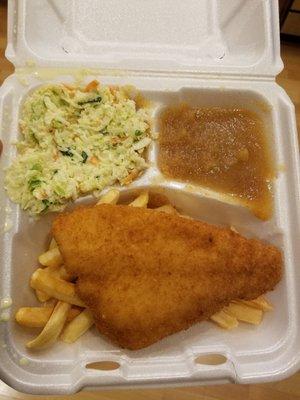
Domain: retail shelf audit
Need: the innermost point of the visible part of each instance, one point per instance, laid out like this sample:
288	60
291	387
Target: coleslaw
75	141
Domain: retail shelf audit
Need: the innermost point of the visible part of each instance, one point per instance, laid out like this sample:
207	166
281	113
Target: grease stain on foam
8	223
5	302
4	316
23	361
45	74
30	63
7	226
8	209
281	168
23	80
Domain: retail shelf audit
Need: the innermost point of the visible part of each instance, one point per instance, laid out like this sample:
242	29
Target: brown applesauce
226	150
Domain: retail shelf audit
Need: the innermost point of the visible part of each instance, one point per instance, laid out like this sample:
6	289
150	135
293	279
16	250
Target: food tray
222	61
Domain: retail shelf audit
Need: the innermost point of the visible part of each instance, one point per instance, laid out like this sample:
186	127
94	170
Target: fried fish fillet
146	274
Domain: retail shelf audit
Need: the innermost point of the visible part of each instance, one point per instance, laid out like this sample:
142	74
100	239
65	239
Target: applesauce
222	149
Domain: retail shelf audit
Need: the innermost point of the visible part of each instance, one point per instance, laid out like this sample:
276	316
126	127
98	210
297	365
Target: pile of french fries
64	315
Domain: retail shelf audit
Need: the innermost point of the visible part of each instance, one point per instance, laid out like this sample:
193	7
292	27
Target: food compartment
223	146
33	238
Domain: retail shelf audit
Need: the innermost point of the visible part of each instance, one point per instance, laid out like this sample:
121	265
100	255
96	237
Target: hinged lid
239	37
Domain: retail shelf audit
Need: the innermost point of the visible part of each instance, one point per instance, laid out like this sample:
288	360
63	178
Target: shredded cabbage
76	141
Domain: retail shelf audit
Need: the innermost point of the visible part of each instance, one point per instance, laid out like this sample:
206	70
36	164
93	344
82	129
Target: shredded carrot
113	89
94	160
91	86
130	177
55	155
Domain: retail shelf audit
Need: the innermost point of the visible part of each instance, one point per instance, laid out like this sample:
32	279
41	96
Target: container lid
239	37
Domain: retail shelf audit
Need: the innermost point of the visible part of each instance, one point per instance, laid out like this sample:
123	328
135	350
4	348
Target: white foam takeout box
205	53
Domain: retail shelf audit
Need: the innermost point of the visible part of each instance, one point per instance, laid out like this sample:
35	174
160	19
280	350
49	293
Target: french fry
111	197
55	287
141	200
37	317
260	303
224	320
51	258
167	208
41	296
55	272
73	313
77	327
52	244
52	328
63	274
50	303
33	317
244	313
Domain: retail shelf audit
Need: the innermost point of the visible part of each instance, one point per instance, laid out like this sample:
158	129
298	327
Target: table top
289	389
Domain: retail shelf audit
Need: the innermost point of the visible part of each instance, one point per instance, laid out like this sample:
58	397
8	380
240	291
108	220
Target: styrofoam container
203	52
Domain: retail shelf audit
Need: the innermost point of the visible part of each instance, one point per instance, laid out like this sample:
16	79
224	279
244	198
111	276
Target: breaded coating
145	274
